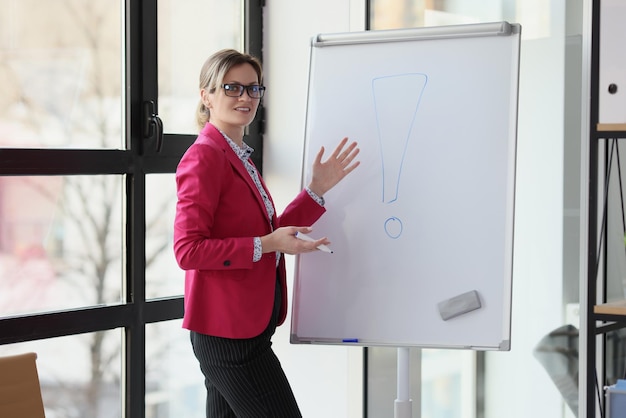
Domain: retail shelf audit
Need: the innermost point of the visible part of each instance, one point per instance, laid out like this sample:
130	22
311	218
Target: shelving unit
603	316
607	138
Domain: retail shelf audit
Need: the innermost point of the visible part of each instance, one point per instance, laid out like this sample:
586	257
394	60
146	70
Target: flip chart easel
403	406
422	230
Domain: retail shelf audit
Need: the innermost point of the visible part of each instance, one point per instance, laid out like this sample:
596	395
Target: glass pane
445	378
394	14
615	221
163	276
174	383
448	388
79	375
382	376
190	31
615	285
64	248
60	74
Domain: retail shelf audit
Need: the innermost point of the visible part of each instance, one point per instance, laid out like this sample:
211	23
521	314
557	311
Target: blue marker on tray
350	340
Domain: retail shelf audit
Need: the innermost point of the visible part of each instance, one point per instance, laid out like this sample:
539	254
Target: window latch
152	124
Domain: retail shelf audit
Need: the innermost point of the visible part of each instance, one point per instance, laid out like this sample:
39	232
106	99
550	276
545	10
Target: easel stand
403	404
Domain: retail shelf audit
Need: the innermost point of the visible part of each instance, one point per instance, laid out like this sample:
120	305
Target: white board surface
428	215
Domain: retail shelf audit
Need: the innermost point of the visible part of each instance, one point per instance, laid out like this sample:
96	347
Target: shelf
611	308
615	127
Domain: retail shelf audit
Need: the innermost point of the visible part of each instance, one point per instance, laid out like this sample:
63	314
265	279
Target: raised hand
326	174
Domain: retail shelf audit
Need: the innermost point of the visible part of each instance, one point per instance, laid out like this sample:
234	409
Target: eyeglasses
236	90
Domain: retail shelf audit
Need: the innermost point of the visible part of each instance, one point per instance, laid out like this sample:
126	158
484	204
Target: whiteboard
428	215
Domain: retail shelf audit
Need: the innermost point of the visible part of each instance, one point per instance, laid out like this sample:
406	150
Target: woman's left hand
325	175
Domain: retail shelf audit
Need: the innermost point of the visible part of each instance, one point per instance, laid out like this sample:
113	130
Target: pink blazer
218	212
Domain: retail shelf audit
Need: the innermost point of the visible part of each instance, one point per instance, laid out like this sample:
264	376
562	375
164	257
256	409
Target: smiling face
232	114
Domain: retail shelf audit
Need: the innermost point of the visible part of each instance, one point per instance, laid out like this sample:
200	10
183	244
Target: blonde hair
213	72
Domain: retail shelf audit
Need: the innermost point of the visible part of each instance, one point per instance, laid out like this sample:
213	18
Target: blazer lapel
216	137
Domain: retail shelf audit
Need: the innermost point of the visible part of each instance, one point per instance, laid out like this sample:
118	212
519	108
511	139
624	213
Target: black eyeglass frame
236	90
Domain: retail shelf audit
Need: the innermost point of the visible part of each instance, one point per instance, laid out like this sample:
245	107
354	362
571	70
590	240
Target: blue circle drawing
393	227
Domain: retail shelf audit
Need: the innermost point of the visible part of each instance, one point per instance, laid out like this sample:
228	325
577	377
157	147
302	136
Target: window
88	278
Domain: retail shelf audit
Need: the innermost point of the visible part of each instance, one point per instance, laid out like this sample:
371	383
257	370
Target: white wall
537	278
538	272
327	381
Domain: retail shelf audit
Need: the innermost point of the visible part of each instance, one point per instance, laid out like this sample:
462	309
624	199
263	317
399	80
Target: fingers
339	153
348	150
349	169
350	154
327	173
339	147
302	243
343	155
346	159
301	229
318	157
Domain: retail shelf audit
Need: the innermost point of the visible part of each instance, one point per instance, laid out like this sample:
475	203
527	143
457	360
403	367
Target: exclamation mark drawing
396	100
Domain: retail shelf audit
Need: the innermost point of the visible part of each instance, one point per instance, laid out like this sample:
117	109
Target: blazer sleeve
204	239
302	211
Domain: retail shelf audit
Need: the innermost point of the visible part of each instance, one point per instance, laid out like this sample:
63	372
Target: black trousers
243	377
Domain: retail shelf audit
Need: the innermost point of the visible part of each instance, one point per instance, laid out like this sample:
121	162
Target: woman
229	240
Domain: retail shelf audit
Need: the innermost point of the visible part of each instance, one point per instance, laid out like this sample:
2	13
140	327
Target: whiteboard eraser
459	305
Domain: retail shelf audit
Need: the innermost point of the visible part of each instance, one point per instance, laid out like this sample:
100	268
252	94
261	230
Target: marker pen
305	237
